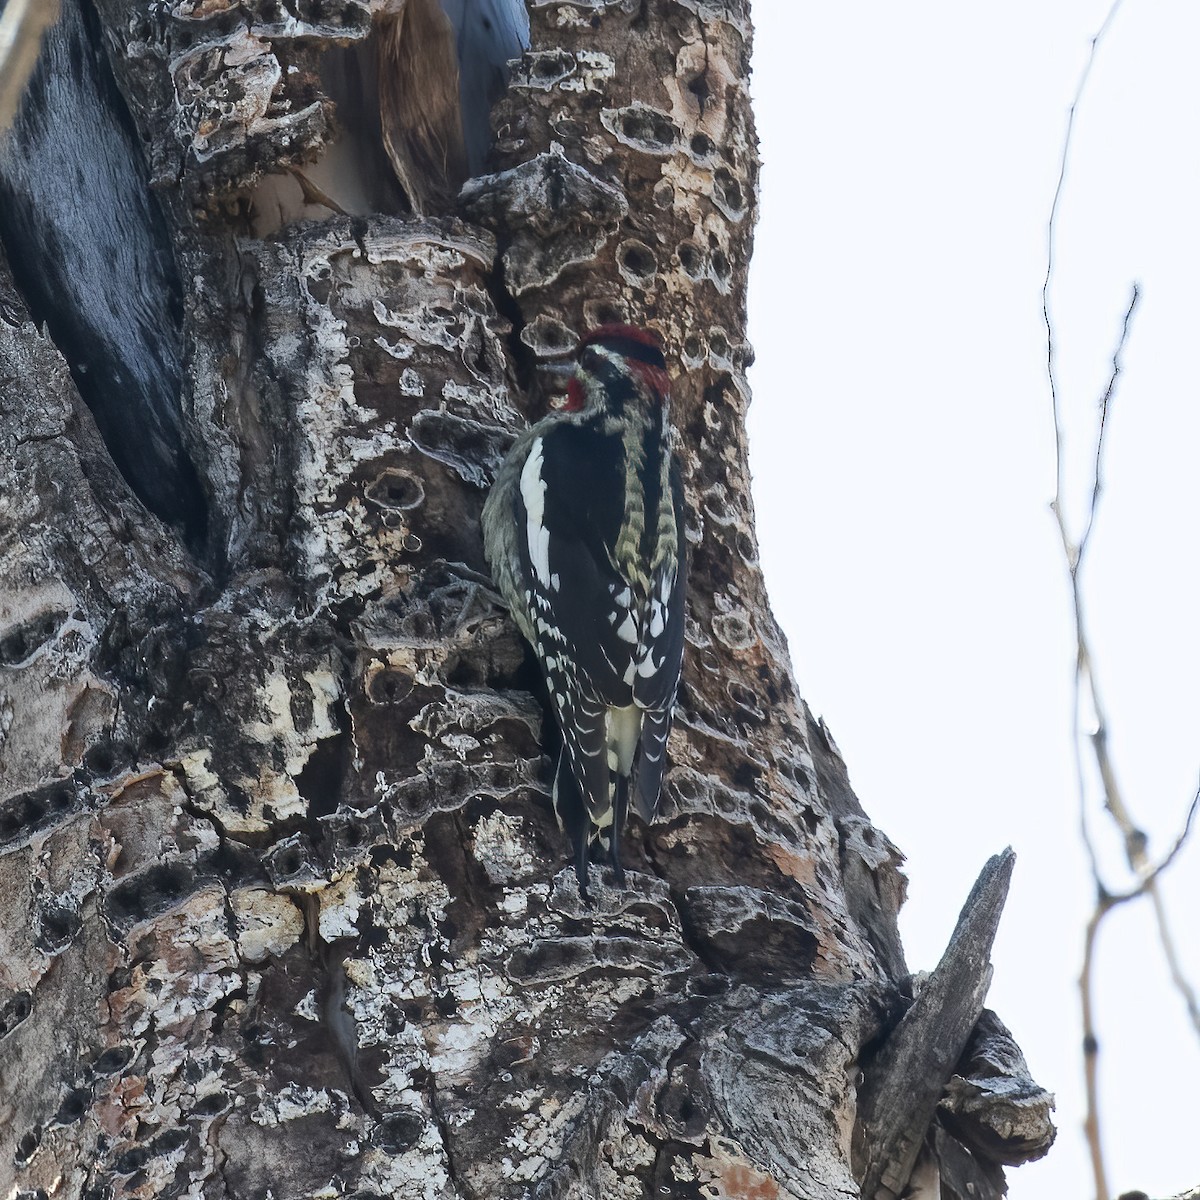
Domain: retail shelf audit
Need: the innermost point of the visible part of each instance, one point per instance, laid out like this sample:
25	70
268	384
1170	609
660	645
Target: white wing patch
533	493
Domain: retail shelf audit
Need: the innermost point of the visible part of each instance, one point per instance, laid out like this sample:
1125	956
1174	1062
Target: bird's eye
591	360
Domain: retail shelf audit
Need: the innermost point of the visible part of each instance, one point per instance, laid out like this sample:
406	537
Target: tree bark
285	912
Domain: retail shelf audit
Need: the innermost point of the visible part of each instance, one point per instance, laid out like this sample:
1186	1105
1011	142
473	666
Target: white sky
903	461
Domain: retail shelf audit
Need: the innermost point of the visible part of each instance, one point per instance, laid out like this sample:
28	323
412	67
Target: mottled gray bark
284	909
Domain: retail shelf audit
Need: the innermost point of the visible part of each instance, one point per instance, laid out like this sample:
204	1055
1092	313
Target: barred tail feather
573	819
585	752
651	762
620	807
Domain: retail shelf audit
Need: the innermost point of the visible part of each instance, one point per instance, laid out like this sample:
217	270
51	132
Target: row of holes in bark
75	1102
148	893
27	813
639	265
639	126
75	1105
20	643
653	131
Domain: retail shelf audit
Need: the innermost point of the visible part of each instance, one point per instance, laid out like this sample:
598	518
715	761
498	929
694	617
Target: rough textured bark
285	910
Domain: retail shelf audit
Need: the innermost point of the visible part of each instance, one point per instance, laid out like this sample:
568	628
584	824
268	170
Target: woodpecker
584	533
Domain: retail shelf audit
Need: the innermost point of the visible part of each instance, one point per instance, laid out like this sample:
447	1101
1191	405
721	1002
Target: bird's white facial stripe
533	493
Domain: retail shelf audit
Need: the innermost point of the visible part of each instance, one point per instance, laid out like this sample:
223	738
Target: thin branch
1178	978
1051	237
1070	549
1105	903
1091	1046
1102	425
1152	874
1091	1053
1074	551
22	24
1135	839
1136	847
1145	885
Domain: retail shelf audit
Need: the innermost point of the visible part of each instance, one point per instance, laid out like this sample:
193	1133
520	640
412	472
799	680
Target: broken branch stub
905	1082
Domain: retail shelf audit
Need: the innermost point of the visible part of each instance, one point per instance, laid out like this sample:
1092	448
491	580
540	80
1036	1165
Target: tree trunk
285	909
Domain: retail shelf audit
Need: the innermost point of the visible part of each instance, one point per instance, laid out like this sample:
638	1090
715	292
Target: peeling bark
286	911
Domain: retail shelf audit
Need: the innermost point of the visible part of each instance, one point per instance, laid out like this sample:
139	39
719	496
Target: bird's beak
553	378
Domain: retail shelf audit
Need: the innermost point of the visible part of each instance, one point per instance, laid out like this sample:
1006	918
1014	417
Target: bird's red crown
643	350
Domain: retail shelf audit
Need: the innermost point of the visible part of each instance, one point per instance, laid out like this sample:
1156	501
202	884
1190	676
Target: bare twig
1074	553
1155	871
1181	982
1074	550
22	24
1091	1052
1051	234
1102	424
1105	899
1105	903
